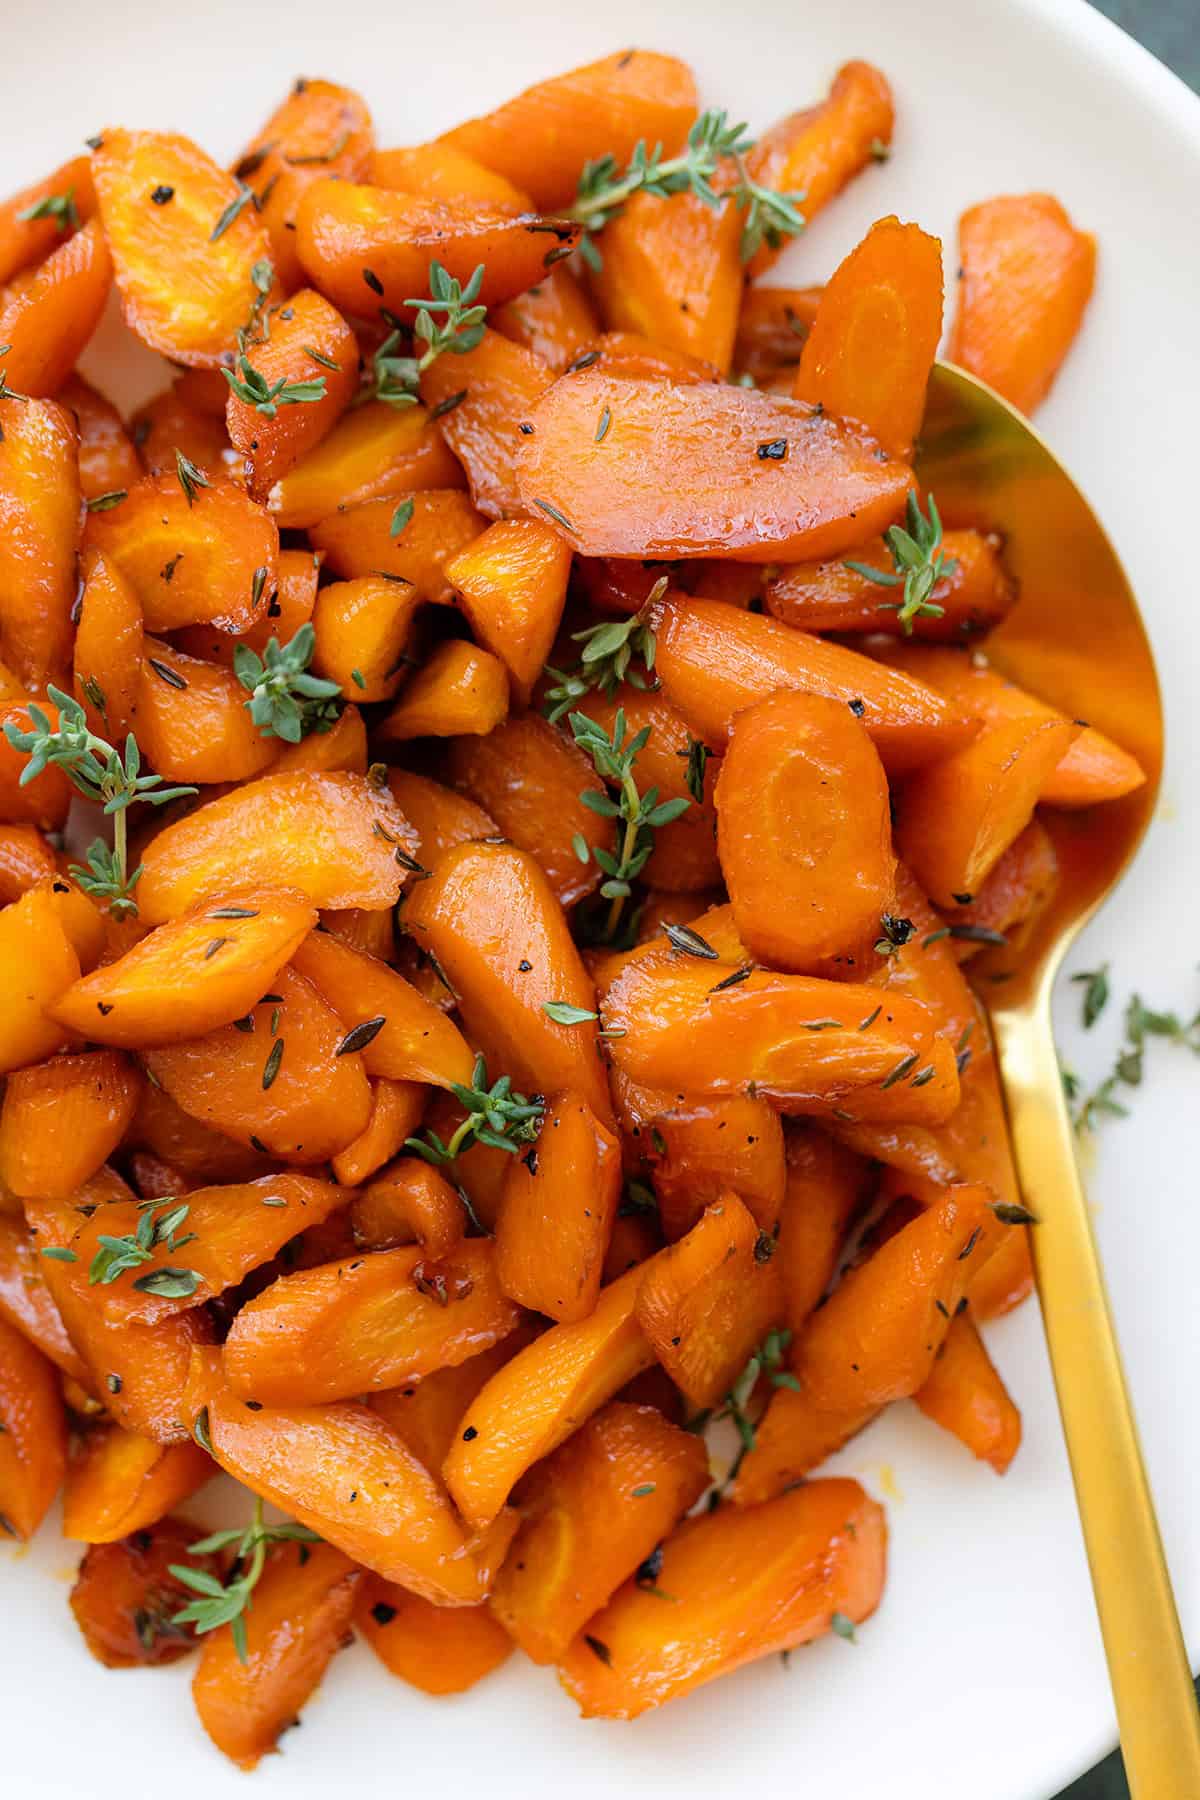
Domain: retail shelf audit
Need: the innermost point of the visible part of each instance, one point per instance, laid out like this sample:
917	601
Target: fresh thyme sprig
116	1255
285	700
101	774
613	758
396	379
607	659
59	207
767	1359
267	397
495	1116
1141	1023
227	1603
919	565
604	187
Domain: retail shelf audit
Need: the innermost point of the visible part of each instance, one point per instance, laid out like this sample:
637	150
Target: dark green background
1171	29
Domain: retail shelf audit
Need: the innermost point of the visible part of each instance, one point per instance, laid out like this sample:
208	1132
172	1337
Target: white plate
982	1674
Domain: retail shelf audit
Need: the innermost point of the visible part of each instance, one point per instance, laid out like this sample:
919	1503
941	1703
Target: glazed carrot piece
285	1086
40	512
714	661
817	151
708	1300
38	962
798	1039
974	595
482	400
560	1201
372	933
33	1442
26	1303
868	354
152	1178
362	631
964	1394
340	750
593	1512
543	1395
168	423
43	802
555	319
109	649
396	1109
703	1147
372	452
437	171
193	723
320	826
875	1338
804	834
1026	278
312	347
48	313
185	285
427	1413
439	1649
25	860
635	357
667	906
193	555
541	139
825	1184
198	1154
379	1320
319	131
769	480
923	967
1013	897
140	1369
672	272
956	818
35	221
119	1483
360	540
747	1583
346	1475
125	1597
403	1036
300	1619
458	689
772	325
191	975
62	1119
512	584
108	461
409	1203
441	818
529	777
487	909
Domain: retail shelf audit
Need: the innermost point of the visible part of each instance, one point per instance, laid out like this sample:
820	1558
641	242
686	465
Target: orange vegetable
345	1474
815	152
26	1303
25	240
62	1119
541	139
975	594
362	629
38	962
33	1438
192	719
459	688
486	909
1026	279
964	1394
119	1483
109	648
48	313
811	1045
40	513
310	342
43	802
804	834
125	1596
747	1583
529	778
672	271
555	319
592	1513
359	541
25	860
560	1200
410	1203
426	1414
872	343
195	558
704	1147
185	285
825	1185
321	827
1015	894
713	661
441	818
285	1086
511	584
439	1649
438	171
396	1109
191	975
107	458
772	326
299	1620
375	1321
483	400
154	1179
414	1042
791	1440
768	479
544	1394
340	750
169	423
372	452
196	1153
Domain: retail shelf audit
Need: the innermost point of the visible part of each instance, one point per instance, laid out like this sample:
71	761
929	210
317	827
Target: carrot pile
499	785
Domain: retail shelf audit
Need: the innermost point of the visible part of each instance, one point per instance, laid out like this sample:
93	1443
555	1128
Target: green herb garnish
613	757
227	1603
285	700
918	565
495	1116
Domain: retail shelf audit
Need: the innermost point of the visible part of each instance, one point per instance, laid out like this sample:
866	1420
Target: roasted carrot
396	1108
429	528
556	1218
372	452
33	1442
26	1302
410	1203
35	221
825	1185
49	312
511	584
439	1649
310	347
672	272
125	1597
62	1119
974	594
441	818
555	319
118	1483
402	1036
40	512
964	1394
483	400
458	690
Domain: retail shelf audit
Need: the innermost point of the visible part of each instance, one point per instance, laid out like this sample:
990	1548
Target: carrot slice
442	819
482	401
825	1184
1013	897
430	528
125	1596
410	1203
43	802
427	1413
703	1147
119	1483
396	1109
437	171
772	326
560	1201
48	313
439	1649
33	1442
109	648
26	1302
373	451
672	272
793	1438
108	461
193	720
512	585
407	1039
30	228
964	1394
310	346
459	689
61	1120
362	630
182	263
40	512
38	962
974	594
769	479
555	319
25	860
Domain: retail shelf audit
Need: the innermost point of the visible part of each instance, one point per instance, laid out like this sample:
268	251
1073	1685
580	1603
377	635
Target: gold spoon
1076	638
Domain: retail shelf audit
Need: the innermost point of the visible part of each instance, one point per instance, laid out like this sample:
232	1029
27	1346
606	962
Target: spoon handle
1152	1685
